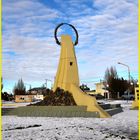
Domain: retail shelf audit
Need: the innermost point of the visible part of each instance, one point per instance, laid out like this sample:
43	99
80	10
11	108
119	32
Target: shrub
57	98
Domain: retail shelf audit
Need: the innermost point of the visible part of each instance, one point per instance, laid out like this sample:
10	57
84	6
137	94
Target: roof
37	88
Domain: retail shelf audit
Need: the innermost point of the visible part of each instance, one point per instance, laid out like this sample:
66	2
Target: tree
7	97
84	87
113	83
19	88
110	74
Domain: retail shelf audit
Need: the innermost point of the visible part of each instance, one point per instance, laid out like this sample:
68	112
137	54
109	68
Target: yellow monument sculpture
67	76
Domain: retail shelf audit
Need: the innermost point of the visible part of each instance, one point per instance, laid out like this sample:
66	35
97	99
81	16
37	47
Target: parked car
128	96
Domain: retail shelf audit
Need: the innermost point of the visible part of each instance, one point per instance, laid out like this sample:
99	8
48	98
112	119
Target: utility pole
47	81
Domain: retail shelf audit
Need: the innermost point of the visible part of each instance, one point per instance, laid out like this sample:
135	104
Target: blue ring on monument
56	29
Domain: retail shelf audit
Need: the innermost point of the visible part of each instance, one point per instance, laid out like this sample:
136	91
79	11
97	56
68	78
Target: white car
128	96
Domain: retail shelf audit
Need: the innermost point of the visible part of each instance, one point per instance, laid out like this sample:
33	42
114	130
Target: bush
57	98
7	97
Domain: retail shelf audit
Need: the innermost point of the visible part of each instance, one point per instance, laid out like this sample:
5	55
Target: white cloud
107	34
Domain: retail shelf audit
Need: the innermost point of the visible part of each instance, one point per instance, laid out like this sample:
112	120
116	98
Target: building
91	92
37	90
28	98
23	98
37	97
100	89
35	94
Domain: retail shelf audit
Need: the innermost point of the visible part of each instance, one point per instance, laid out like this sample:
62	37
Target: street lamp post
128	75
107	92
128	70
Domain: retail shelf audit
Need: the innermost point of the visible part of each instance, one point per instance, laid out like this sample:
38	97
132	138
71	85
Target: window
21	98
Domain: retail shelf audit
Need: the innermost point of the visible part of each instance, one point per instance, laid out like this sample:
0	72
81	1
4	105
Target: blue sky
107	34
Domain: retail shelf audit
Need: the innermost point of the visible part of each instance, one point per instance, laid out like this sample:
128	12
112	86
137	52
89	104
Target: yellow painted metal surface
67	72
67	77
135	103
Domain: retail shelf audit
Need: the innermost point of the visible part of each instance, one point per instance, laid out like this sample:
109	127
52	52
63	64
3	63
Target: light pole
128	75
128	70
108	91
